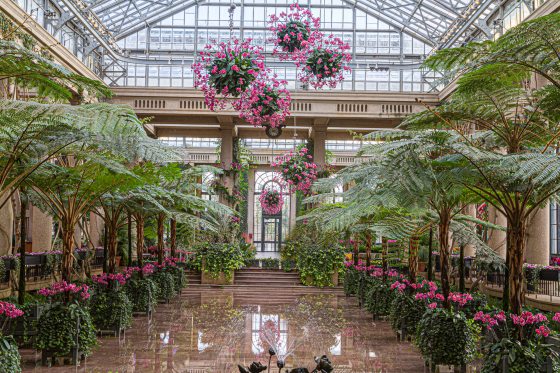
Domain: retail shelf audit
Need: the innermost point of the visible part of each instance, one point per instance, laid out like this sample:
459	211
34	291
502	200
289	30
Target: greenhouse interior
223	186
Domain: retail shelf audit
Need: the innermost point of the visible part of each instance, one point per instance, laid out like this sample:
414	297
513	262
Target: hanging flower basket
271	201
327	63
296	32
265	103
226	71
297	170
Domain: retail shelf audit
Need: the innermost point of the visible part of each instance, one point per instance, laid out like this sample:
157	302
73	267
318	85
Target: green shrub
216	258
111	309
351	281
407	311
9	355
528	357
379	297
142	292
165	285
179	278
317	263
445	337
57	329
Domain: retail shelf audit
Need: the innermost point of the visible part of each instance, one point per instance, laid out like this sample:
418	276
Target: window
554	228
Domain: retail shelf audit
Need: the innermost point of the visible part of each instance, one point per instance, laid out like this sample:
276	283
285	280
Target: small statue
253	368
324	365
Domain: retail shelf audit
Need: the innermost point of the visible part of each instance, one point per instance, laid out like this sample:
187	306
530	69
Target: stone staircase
193	277
266	277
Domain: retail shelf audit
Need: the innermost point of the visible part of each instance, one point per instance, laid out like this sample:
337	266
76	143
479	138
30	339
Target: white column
41	230
470	210
251	202
538	237
95	229
6	227
497	239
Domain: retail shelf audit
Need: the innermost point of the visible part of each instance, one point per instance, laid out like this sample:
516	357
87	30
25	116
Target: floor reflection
214	330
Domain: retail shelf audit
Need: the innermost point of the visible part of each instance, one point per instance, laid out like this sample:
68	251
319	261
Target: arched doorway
269	230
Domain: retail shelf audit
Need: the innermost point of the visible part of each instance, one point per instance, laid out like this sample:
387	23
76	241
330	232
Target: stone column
538	237
41	230
497	239
226	151
251	203
95	229
319	136
293	210
6	227
470	210
77	237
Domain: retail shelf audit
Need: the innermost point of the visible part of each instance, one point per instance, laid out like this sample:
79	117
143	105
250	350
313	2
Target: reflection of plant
271	201
219	322
318	319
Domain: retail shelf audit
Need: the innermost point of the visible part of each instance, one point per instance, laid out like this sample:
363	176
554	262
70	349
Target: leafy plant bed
111	311
142	293
220	279
65	331
9	355
24	329
165	284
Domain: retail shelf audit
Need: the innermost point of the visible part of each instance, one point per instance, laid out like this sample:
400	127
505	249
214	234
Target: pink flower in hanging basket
226	70
327	63
297	172
271	201
266	102
295	33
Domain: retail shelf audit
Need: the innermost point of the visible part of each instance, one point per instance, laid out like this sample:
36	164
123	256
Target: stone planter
210	279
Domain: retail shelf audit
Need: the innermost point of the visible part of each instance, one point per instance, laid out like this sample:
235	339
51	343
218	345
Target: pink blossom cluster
556	317
538	266
271	201
9	310
105	278
527	318
297	170
555	261
277	24
460	299
429	286
543	331
490	320
317	72
147	269
207	73
266	102
64	287
378	272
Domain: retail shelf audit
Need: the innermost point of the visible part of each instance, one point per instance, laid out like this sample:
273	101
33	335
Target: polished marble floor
212	330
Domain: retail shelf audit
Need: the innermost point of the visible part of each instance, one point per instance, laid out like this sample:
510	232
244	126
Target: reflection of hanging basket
271	201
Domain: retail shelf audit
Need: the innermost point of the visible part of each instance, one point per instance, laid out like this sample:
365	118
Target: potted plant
297	169
141	289
111	309
327	63
9	354
66	330
271	201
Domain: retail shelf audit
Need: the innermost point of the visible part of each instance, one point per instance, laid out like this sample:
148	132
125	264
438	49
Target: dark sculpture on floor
324	365
253	368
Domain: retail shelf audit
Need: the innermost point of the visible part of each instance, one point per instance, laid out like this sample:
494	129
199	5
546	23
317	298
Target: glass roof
152	43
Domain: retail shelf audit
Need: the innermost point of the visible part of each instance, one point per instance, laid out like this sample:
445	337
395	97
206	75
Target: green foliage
351	281
216	258
379	296
142	292
447	338
9	355
57	329
111	309
521	357
165	283
406	312
317	263
179	279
